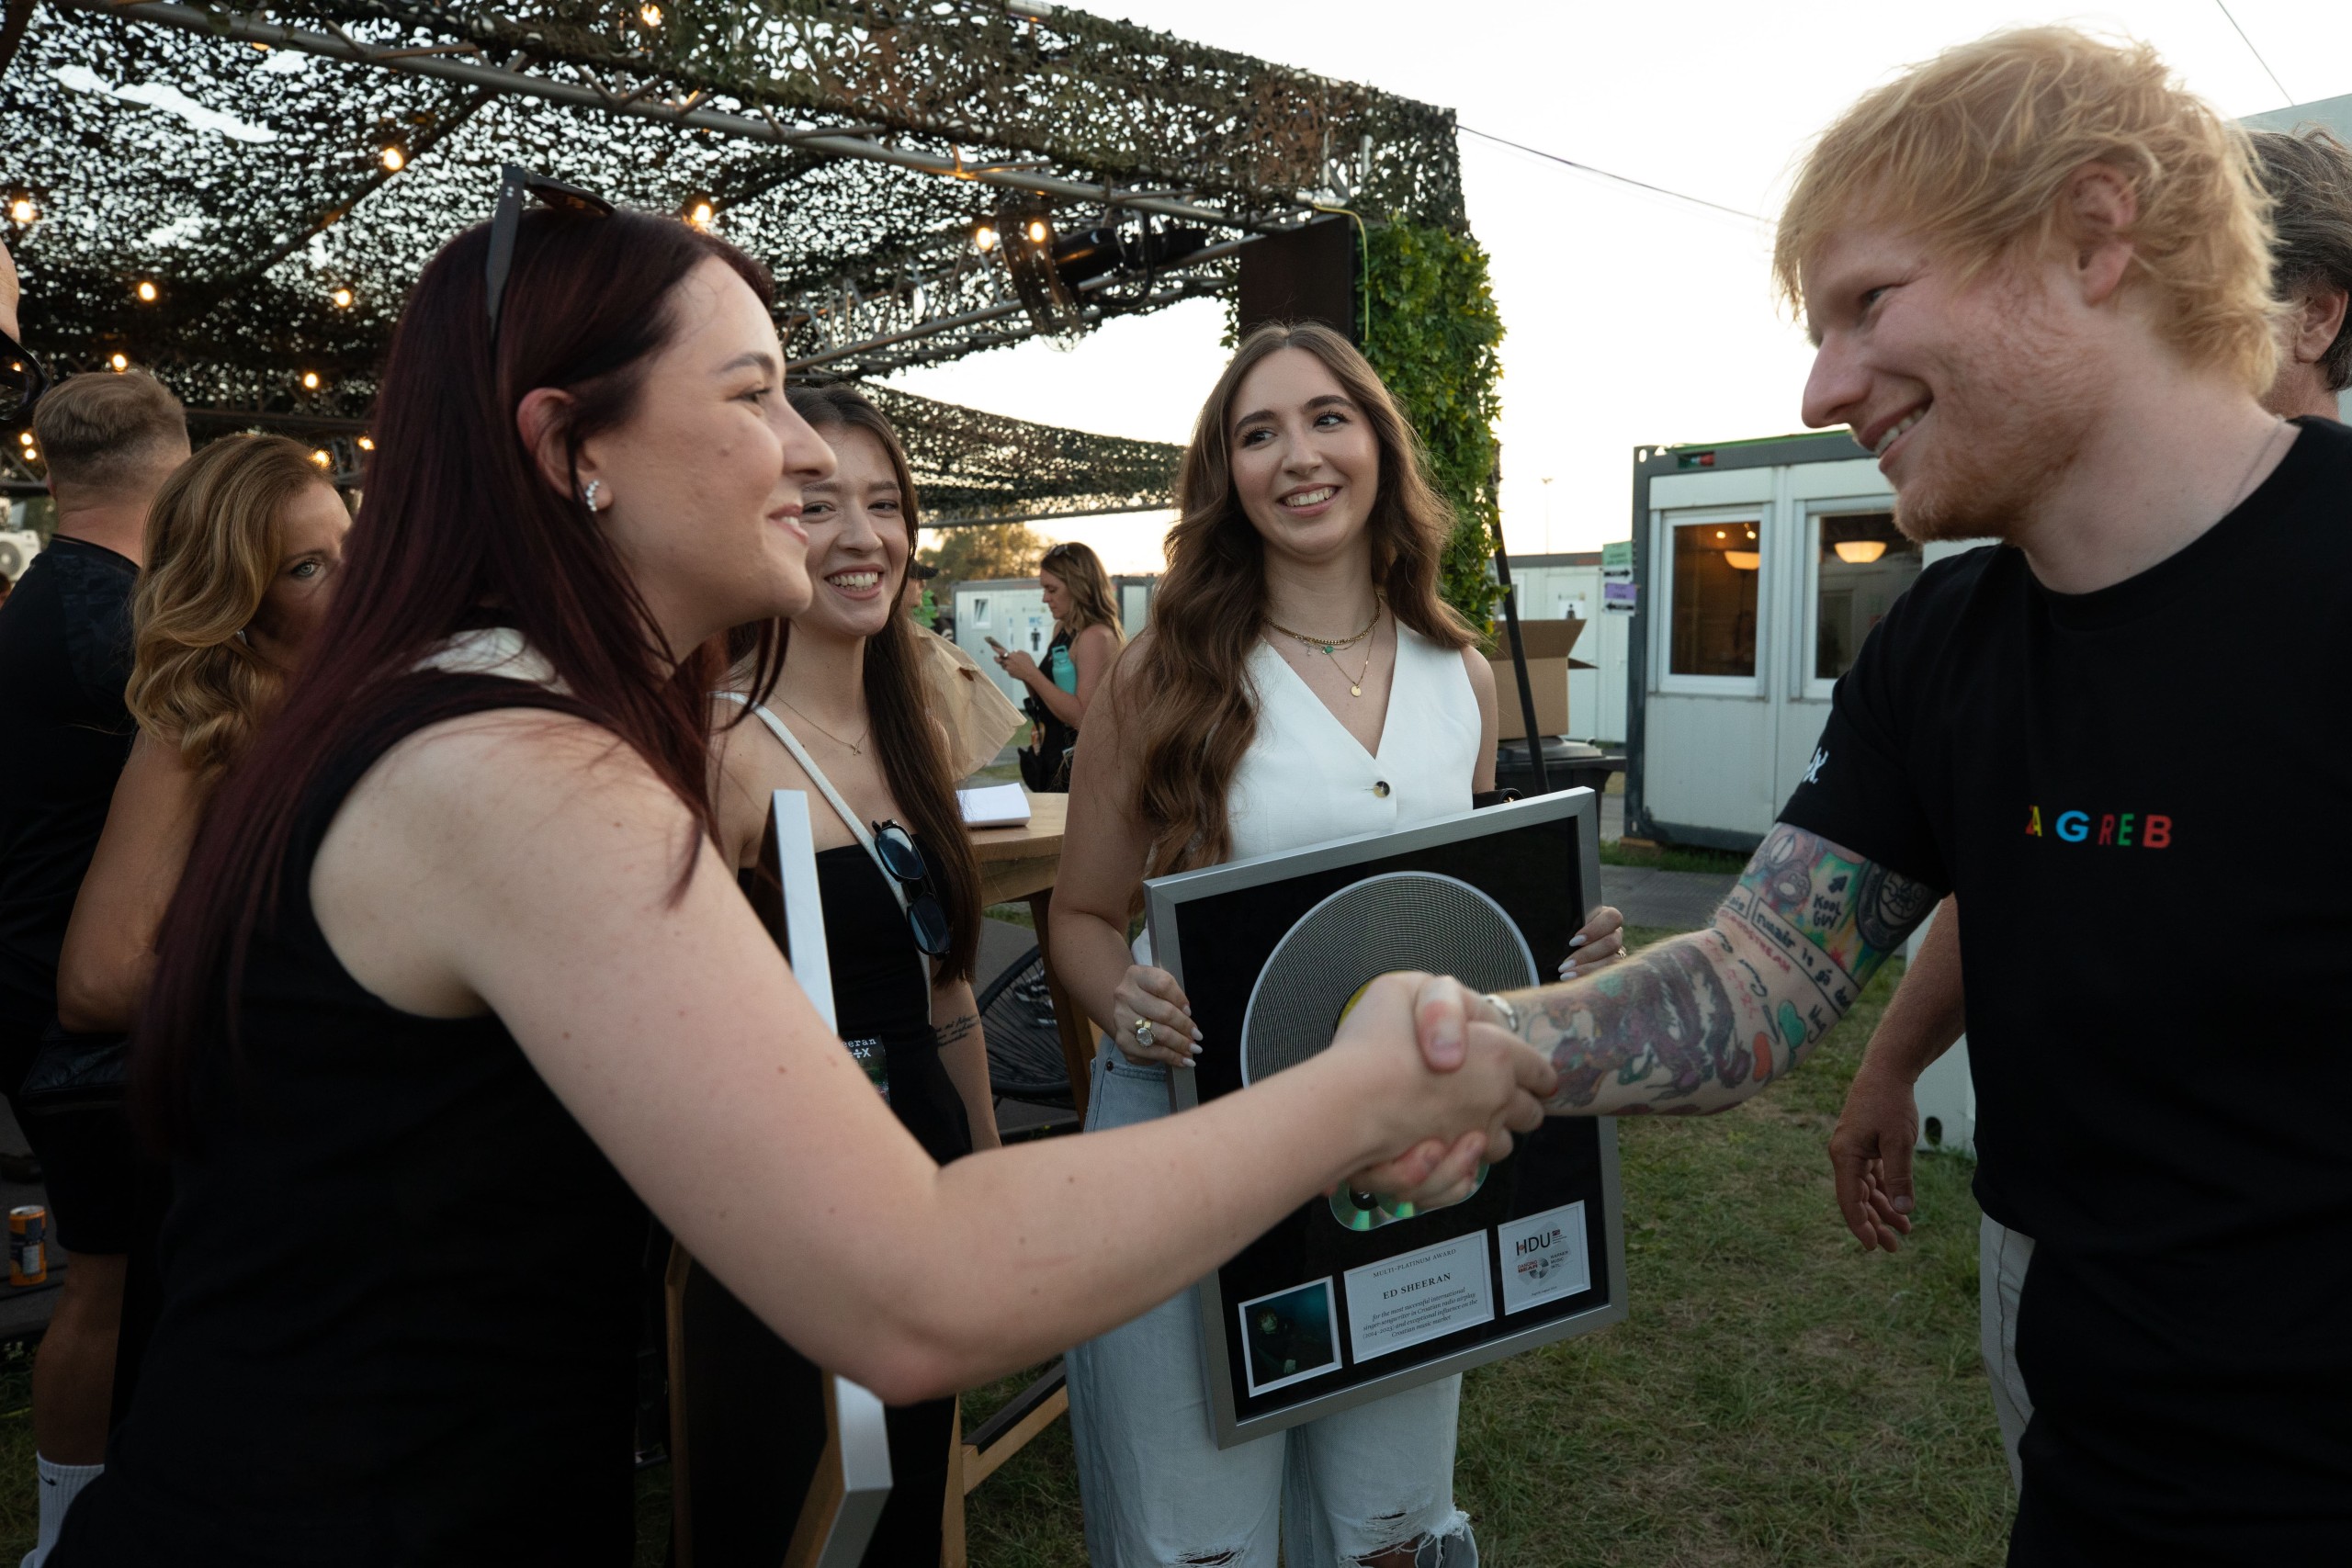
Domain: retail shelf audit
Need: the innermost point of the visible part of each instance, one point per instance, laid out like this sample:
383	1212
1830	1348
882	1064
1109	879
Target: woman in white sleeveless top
1301	681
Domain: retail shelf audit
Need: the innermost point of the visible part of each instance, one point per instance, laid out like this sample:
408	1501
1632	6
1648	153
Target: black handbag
76	1072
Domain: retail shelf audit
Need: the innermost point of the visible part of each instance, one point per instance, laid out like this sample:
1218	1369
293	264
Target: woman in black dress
848	721
456	986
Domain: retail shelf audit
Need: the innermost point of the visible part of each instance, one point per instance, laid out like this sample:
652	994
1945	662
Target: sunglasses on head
895	847
515	184
22	381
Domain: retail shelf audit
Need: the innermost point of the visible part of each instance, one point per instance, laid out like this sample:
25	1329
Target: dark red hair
459	529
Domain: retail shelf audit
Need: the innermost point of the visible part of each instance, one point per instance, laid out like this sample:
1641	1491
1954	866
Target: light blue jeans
1158	1490
2003	1256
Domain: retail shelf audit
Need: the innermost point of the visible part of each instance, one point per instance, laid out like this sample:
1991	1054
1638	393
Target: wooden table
1018	863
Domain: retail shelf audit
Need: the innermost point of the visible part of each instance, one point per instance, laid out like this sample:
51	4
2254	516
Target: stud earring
588	493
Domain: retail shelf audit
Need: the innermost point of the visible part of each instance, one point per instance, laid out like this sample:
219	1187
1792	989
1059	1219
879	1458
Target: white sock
60	1484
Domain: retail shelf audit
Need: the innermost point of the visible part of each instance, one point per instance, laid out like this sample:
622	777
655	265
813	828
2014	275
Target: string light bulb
120	362
367	443
984	238
321	460
1037	230
394	157
32	455
22	210
342	297
699	212
649	15
309	381
24	437
146	291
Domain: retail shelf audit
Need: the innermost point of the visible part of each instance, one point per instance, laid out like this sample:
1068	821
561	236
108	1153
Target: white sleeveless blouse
1305	780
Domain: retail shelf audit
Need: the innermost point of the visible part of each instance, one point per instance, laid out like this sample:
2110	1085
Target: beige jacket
980	718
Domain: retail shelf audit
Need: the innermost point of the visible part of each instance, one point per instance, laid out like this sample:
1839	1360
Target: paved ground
1684	899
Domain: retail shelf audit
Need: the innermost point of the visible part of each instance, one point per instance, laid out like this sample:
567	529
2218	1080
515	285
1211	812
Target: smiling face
1974	396
311	529
1306	462
701	487
857	538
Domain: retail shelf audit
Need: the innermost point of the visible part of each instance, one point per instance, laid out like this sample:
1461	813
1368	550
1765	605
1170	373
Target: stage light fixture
649	15
32	454
1860	552
342	297
146	291
321	460
24	437
1743	560
1039	232
367	443
120	363
984	238
394	157
699	211
309	381
22	210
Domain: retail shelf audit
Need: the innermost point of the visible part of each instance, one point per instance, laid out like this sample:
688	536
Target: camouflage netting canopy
237	196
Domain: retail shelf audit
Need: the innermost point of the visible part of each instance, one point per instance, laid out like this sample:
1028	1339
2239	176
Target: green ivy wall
1434	335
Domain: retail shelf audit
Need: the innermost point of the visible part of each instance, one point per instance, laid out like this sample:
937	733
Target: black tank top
399	1316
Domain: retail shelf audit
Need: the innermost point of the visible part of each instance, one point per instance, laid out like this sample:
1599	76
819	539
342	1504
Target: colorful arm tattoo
1702	1022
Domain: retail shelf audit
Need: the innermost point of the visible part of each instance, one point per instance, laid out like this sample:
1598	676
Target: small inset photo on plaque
1290	1335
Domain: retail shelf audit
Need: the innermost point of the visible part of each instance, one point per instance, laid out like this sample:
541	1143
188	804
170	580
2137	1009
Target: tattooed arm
1701	1023
963	1052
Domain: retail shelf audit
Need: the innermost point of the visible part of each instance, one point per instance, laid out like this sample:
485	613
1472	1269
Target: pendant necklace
856	747
1329	647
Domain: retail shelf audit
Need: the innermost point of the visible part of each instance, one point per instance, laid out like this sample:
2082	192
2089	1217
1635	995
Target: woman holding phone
1087	639
457	985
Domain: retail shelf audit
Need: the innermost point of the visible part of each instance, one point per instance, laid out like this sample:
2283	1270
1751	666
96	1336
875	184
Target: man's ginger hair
1974	151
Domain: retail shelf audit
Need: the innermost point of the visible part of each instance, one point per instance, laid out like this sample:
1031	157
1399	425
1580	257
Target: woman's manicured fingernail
1578	940
1568	970
1196	1048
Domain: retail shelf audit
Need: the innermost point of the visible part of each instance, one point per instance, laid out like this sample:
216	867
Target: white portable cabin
1760	567
1567	587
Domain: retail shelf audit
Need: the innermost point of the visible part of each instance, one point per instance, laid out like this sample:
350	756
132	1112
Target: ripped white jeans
1159	1493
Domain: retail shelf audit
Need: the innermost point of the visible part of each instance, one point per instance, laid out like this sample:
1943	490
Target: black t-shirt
2134	791
64	735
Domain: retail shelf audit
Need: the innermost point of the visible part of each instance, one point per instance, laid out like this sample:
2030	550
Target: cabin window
1865	563
1713	597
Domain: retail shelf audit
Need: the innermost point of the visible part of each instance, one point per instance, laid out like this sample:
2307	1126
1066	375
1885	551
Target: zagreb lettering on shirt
2115	829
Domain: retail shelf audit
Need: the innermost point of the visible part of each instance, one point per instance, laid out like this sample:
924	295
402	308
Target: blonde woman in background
242	549
1087	639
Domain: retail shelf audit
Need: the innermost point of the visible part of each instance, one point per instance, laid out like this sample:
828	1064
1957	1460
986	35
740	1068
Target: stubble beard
2022	408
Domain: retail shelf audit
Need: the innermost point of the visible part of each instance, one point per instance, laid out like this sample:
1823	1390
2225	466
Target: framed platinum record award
1353	1297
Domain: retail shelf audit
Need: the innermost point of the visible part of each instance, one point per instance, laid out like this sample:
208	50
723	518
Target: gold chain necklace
856	747
1355	686
1330	644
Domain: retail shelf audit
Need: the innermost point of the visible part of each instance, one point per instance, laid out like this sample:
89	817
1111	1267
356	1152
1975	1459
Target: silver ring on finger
1143	1032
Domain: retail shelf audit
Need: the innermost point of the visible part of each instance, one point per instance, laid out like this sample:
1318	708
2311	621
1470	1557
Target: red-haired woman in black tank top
456	979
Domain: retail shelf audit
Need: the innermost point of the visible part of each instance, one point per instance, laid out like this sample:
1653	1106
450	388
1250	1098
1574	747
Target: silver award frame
1165	901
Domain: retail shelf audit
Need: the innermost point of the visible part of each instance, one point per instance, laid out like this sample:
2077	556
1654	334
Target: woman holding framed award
1301	681
457	985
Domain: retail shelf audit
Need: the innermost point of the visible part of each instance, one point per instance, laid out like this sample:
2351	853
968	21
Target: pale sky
1630	317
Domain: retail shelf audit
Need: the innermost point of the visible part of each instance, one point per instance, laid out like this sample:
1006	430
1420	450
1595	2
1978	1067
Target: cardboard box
1548	646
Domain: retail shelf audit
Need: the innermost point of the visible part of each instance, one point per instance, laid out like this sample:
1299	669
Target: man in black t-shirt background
2309	178
2036	271
109	441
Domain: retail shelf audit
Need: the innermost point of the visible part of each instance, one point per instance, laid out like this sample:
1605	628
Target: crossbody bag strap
791	743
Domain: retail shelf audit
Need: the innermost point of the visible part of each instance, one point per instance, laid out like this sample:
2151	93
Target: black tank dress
398	1317
763	1419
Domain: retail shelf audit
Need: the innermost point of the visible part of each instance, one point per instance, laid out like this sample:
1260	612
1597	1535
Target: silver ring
1143	1032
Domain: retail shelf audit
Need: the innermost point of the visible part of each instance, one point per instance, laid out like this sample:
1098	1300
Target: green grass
1673	857
1777	1396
